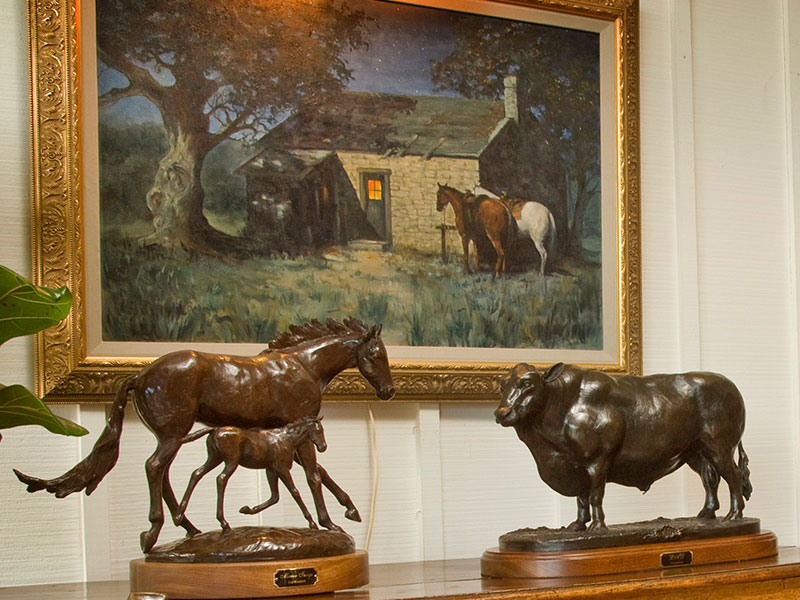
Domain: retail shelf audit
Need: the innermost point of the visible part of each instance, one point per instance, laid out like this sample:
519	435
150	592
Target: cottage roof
396	125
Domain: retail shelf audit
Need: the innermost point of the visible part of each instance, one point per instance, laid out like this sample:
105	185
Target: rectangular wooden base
262	579
625	559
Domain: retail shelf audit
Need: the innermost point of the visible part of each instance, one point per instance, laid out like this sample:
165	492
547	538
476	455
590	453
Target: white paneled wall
720	107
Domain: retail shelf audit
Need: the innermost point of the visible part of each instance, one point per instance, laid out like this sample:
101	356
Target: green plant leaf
26	308
18	407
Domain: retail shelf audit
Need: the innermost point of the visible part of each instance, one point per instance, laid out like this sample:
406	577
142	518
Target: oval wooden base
262	579
645	557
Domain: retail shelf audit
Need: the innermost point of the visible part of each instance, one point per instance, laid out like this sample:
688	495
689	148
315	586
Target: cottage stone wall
412	195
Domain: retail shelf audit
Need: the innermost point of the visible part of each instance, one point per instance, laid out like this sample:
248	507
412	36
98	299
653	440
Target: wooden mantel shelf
776	578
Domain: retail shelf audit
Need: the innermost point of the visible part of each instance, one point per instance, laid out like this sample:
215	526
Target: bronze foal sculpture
269	449
278	386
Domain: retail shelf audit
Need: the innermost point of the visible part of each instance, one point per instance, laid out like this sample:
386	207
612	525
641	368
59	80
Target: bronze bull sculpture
585	428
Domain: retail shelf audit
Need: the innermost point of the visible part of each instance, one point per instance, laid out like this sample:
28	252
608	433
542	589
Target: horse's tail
196	435
747	487
88	473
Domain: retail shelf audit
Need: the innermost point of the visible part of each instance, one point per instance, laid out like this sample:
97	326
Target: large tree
215	71
558	94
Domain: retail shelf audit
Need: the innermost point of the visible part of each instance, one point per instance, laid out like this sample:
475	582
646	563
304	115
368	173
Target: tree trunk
176	202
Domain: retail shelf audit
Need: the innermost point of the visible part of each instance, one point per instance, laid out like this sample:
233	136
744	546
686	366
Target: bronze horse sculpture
585	428
477	217
269	449
283	383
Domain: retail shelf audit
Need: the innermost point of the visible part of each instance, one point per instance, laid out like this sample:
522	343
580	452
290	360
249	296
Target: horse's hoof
147	540
707	514
353	515
246	510
193	532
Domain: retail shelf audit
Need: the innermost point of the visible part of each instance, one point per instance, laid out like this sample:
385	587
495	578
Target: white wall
720	107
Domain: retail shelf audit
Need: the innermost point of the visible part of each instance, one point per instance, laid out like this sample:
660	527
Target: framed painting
463	172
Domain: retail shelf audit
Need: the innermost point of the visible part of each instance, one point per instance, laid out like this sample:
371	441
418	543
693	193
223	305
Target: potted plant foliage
26	309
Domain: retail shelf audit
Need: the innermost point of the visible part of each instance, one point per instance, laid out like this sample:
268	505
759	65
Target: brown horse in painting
276	387
476	217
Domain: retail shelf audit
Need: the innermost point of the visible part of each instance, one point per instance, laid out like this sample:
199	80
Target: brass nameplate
676	559
295	577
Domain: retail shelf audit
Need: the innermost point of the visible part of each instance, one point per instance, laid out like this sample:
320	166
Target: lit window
374	189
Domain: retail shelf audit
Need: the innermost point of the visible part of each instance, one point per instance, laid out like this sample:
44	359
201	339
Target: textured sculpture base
545	539
623	559
252	562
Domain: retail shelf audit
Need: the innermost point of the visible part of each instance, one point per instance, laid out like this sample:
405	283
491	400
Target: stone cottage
365	166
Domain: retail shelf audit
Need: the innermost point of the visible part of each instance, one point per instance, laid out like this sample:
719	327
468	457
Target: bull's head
522	393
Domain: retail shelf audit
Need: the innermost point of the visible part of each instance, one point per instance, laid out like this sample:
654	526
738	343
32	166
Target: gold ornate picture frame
69	370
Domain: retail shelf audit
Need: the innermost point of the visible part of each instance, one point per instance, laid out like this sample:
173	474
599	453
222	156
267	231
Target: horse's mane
314	330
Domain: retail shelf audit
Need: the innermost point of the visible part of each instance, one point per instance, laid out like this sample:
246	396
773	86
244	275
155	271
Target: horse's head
316	434
443	196
373	363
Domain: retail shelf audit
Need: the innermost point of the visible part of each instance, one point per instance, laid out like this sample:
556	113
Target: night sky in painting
403	42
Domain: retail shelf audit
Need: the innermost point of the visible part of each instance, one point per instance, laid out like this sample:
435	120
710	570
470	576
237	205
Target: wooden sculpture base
644	557
261	579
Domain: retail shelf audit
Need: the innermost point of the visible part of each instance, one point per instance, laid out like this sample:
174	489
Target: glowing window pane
374	189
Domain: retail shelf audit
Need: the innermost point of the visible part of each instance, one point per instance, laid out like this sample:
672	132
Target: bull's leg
726	467
308	459
710	479
579	524
597	485
272	480
155	467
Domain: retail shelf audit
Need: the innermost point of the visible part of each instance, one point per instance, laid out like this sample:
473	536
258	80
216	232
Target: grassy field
151	294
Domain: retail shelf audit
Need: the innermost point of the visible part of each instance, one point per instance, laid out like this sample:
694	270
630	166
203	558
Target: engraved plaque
676	559
295	577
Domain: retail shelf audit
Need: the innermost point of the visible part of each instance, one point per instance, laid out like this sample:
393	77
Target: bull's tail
88	473
747	487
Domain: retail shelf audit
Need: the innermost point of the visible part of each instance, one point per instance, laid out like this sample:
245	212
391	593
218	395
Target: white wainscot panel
42	536
489	481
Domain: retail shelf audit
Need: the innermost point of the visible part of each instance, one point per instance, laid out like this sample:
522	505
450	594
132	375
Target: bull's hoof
576	526
707	514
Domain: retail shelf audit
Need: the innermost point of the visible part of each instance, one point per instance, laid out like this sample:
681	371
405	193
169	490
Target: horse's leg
540	248
286	478
465	247
341	496
155	467
211	462
178	516
308	459
272	480
222	483
499	265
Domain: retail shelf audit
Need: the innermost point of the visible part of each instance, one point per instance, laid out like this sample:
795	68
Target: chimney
510	97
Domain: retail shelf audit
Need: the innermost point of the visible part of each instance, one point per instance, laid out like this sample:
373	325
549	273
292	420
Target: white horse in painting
536	220
533	219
